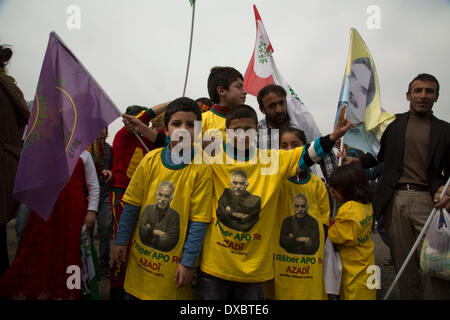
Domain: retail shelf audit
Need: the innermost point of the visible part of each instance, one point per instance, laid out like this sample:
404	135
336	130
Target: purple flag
69	111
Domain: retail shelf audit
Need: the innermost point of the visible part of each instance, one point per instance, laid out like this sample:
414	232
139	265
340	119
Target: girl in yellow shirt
298	260
351	229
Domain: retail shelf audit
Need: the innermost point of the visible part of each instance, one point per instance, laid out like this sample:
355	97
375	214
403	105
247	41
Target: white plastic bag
332	269
435	254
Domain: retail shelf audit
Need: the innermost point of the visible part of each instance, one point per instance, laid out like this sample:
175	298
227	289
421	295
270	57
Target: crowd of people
226	219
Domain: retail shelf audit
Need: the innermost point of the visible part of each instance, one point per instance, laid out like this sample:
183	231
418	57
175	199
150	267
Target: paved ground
381	257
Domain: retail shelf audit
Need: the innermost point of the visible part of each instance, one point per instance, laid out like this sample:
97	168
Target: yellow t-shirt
351	233
240	248
298	268
212	120
153	260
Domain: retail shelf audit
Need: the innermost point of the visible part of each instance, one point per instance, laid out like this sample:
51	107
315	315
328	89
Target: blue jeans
212	288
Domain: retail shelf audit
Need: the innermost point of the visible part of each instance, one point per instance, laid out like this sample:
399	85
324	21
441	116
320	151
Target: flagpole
416	244
190	48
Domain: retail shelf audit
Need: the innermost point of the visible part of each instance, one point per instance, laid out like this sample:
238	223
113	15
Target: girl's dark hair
351	181
299	133
182	104
5	55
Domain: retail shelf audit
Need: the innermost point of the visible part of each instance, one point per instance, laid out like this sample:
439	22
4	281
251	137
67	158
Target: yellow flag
361	92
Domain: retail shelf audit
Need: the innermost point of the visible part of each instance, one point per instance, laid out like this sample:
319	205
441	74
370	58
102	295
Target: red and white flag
262	71
259	70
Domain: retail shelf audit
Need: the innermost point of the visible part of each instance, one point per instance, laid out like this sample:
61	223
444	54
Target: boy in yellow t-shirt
303	209
226	91
237	251
166	213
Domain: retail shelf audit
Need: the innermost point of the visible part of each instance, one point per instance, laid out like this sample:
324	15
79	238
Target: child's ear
166	131
220	91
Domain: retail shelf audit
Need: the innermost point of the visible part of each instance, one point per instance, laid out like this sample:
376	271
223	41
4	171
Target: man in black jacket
415	150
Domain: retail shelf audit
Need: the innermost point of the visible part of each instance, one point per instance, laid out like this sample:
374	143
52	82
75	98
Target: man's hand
343	154
239	215
158	233
342	125
302	239
183	275
89	219
120	254
133	123
445	201
147	225
107	175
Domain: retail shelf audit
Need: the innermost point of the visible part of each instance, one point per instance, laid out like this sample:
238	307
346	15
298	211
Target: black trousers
4	260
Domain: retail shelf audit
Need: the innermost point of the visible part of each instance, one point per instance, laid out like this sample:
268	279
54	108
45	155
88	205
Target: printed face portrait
163	197
300	207
238	184
362	90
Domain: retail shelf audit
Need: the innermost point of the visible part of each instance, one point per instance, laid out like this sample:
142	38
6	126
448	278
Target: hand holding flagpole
416	244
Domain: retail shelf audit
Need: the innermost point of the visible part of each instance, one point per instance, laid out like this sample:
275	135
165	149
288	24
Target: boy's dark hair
205	101
424	77
239	112
221	76
134	110
351	181
268	89
182	104
299	133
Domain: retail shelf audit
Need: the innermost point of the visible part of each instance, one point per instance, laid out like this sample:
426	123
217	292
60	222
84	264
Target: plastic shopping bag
435	254
332	269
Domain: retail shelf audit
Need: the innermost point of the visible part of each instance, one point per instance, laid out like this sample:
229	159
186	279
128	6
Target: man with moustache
238	209
300	232
272	103
415	150
160	225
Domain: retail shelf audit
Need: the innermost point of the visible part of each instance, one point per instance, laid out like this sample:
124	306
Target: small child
303	209
351	229
166	213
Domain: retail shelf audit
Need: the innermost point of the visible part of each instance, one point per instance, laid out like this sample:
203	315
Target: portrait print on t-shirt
300	232
238	209
159	227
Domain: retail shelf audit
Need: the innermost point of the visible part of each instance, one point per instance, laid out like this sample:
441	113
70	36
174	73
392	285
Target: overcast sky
137	49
